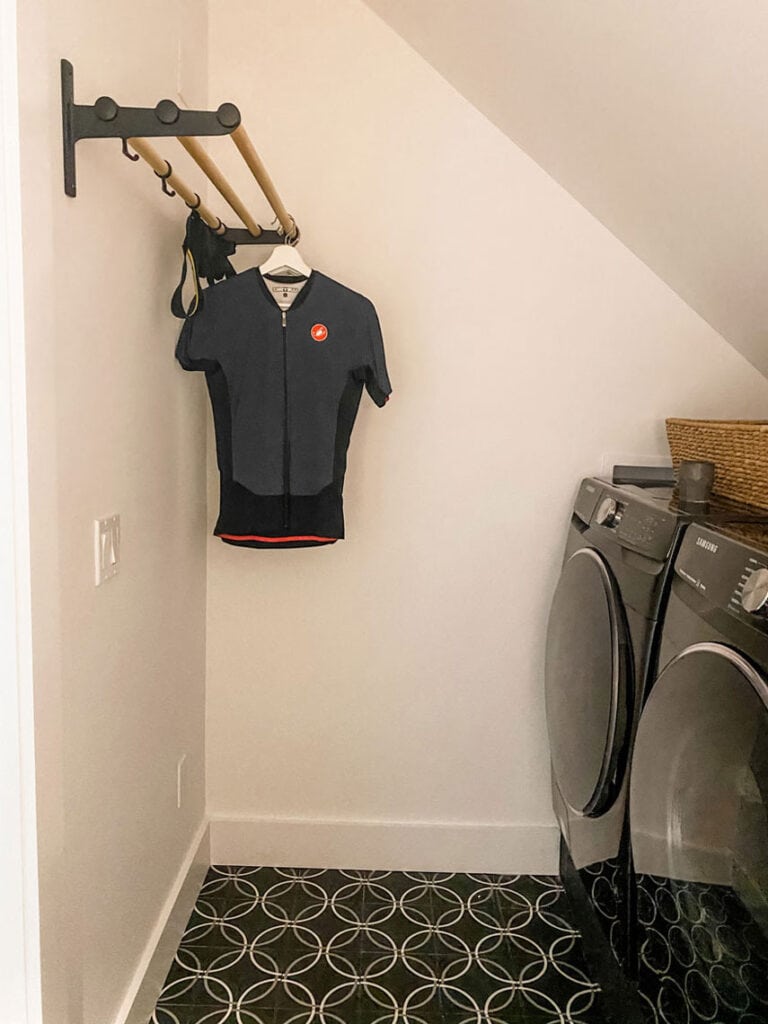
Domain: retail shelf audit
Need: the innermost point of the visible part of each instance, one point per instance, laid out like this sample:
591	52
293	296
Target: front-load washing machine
699	790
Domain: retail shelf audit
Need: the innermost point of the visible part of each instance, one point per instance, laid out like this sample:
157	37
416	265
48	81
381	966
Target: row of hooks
132	125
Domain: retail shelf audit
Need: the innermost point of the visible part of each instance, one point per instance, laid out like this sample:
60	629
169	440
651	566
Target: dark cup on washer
694	484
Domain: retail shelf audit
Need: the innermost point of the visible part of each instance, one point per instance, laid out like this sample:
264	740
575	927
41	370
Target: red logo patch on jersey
319	332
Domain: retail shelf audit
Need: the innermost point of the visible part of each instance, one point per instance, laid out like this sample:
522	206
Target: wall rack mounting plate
241	236
104	119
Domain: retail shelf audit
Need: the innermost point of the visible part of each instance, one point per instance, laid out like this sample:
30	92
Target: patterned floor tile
311	946
702	956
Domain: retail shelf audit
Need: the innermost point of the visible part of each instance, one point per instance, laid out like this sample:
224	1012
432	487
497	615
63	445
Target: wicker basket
738	448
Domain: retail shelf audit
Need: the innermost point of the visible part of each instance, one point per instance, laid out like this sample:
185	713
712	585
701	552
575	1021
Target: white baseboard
141	997
386	845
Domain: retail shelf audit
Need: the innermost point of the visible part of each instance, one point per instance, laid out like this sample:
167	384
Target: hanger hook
288	239
127	152
164	178
194	206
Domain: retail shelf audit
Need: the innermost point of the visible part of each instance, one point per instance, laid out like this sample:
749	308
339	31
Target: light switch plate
106	550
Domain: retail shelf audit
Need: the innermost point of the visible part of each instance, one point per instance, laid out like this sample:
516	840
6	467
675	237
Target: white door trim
20	933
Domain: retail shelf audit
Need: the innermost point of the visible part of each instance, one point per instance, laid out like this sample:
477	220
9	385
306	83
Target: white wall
113	427
396	677
20	936
651	114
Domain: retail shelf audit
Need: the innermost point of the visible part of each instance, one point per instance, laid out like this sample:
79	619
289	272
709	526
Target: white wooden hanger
285	259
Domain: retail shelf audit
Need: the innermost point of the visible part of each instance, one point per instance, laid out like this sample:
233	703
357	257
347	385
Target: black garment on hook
285	386
209	255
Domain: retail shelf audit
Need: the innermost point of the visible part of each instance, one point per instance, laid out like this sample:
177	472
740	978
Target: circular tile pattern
309	946
605	882
702	957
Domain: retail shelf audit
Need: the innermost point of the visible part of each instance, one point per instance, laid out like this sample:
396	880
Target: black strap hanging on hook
208	257
164	178
127	152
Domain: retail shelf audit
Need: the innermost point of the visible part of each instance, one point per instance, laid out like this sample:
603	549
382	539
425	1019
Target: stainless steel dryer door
699	828
588	669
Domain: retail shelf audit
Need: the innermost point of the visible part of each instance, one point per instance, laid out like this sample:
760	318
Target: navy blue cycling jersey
285	386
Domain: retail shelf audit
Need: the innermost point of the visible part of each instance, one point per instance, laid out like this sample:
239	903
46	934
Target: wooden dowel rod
219	182
160	165
242	140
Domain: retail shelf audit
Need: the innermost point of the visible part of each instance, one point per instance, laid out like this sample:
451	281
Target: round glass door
699	827
586	679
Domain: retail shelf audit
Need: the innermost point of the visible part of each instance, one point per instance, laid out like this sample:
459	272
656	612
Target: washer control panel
729	573
629	516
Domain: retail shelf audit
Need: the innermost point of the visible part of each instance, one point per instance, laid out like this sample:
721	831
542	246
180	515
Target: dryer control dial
608	512
754	594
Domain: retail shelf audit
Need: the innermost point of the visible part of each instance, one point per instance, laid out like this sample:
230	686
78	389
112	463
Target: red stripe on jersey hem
272	540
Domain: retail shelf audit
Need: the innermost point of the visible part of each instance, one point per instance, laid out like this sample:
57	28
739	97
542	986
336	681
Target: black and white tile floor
305	946
703	955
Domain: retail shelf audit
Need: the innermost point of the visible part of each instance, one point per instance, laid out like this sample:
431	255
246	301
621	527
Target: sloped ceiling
652	113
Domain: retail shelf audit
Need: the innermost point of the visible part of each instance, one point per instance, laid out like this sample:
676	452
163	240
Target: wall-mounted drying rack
134	125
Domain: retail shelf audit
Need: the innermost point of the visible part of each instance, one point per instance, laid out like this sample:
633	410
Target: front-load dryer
699	790
599	653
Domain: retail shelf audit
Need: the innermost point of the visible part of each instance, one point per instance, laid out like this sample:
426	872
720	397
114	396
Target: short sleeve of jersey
196	347
376	377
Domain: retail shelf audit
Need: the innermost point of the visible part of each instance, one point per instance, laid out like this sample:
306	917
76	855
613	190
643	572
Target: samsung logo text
708	545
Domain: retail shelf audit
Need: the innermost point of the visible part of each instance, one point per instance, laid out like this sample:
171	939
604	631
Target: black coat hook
127	152
164	178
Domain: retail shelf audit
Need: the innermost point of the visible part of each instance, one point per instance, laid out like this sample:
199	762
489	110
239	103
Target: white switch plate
106	548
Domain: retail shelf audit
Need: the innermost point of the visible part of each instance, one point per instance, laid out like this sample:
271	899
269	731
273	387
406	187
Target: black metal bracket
106	120
242	236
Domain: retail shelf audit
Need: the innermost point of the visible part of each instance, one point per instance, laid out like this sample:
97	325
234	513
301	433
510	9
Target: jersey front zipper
286	442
